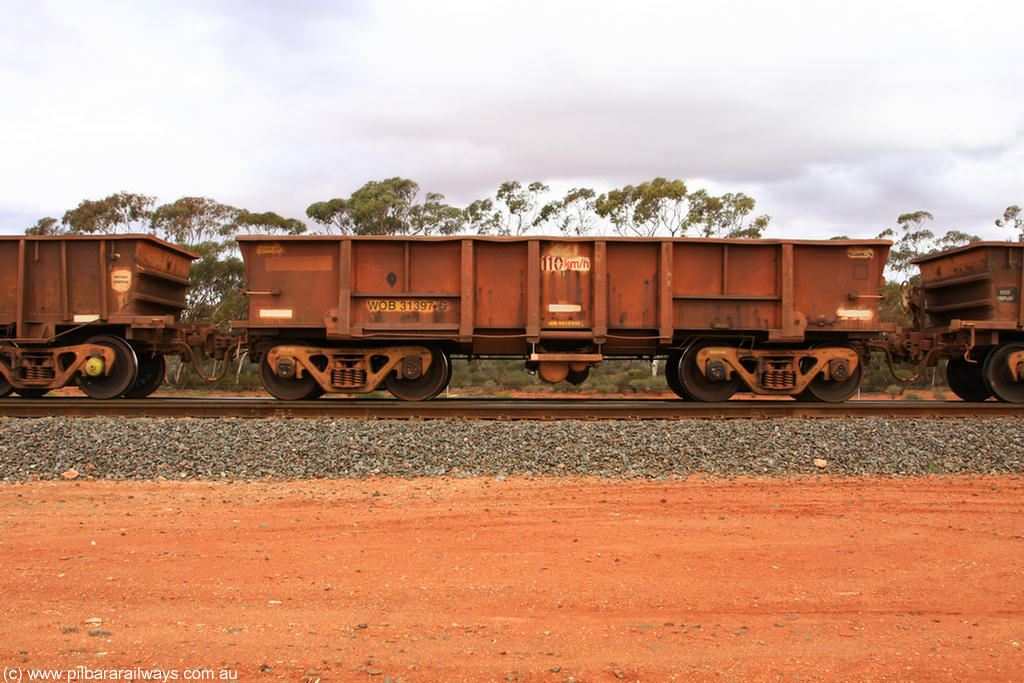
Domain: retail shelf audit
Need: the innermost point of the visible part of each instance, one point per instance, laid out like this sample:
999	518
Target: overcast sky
835	116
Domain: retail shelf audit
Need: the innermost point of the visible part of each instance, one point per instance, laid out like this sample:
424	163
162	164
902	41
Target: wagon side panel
719	286
406	288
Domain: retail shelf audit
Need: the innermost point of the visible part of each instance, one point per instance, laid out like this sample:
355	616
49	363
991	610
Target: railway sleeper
45	368
782	372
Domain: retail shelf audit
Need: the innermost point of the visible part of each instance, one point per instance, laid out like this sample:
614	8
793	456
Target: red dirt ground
531	580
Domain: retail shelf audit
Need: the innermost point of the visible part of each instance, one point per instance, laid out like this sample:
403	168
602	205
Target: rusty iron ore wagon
350	314
968	309
100	311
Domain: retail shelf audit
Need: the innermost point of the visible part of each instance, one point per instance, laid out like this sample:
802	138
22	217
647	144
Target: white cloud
836	116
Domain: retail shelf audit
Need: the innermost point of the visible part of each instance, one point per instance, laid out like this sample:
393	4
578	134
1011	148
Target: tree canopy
388	207
1012	220
119	213
911	240
663	206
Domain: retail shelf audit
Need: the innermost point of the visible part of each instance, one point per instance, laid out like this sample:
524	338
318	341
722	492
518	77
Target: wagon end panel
292	283
148	278
981	282
836	286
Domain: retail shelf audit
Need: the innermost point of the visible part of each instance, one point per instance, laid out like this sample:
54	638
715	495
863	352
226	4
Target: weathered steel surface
978	286
49	284
487	409
505	295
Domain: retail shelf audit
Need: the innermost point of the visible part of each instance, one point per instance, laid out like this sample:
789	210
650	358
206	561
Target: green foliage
215	284
912	240
266	223
482	218
382	207
663	206
890	309
332	214
573	214
488	377
388	207
46	226
124	212
726	216
518	206
646	209
1012	220
434	217
191	221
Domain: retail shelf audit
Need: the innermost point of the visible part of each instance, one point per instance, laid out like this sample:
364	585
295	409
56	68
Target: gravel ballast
249	449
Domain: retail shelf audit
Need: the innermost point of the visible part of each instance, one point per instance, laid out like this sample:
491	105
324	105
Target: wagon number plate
406	305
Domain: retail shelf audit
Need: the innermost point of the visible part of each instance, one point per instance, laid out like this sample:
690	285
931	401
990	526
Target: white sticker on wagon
121	280
86	318
564	308
275	313
855	313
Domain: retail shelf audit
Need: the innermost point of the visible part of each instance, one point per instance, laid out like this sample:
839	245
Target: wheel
426	386
698	386
998	378
288	388
672	375
5	387
123	372
151	375
807	395
967	380
31	392
833	390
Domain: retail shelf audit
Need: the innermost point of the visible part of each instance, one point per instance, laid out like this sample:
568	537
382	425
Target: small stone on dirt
820	463
70	473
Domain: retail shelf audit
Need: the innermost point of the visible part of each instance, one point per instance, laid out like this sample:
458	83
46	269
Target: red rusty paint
507	295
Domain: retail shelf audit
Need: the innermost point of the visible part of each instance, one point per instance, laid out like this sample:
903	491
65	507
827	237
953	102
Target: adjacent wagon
99	311
968	309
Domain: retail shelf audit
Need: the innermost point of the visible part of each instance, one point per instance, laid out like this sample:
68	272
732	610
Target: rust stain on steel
981	284
631	296
49	282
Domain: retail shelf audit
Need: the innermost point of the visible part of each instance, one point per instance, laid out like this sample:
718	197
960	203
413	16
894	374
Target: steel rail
496	409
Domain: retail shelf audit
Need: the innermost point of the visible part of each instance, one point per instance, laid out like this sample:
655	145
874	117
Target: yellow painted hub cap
94	367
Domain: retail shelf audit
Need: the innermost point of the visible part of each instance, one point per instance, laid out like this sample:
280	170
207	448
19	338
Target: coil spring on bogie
348	377
37	372
778	379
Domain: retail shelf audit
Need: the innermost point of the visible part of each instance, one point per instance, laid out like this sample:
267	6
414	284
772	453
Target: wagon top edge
96	238
967	248
558	238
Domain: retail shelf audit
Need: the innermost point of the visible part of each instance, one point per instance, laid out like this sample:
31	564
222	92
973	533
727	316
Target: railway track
495	409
